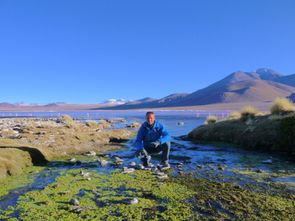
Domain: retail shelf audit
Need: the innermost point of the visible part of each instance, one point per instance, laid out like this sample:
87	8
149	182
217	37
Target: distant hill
257	87
262	85
150	102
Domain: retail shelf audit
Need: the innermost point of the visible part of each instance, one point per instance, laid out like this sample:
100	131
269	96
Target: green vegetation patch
106	197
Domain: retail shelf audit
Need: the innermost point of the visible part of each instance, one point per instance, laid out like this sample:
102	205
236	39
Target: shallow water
210	162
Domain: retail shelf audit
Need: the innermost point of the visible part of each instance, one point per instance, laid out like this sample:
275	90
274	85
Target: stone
162	177
91	153
259	171
269	161
77	209
74	202
118	160
128	170
73	160
132	164
133	125
134	201
103	162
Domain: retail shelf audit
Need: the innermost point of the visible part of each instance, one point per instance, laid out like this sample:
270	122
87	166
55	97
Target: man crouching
153	138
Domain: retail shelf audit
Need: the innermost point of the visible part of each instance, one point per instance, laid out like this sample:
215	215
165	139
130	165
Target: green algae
227	201
11	183
103	198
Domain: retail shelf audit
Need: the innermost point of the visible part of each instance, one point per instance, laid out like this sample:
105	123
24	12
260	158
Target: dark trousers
164	148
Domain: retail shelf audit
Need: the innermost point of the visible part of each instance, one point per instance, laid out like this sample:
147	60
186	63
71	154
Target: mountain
288	80
149	102
262	85
240	87
6	105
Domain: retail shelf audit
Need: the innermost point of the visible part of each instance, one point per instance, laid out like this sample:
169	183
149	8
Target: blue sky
90	51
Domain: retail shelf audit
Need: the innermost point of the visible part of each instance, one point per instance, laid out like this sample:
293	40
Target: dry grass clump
91	124
67	120
282	106
248	112
211	119
234	115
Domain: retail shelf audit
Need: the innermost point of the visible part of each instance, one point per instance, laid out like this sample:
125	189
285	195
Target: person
153	138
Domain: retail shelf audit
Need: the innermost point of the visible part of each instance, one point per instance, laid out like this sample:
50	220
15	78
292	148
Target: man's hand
154	144
140	153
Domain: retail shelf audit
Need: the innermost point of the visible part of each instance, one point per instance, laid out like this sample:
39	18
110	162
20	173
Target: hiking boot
164	166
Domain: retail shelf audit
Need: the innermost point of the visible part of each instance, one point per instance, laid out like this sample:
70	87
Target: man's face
150	119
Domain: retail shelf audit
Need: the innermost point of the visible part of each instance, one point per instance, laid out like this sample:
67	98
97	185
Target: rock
162	177
90	153
103	162
269	161
159	173
259	171
133	125
82	173
132	164
140	167
41	133
78	162
77	209
199	166
64	192
134	201
128	170
73	160
220	167
180	123
130	201
96	193
74	202
118	160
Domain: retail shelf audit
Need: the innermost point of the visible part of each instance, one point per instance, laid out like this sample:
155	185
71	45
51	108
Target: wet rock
269	161
96	193
131	201
133	125
90	153
220	167
128	170
84	174
134	201
78	162
259	171
74	202
140	167
76	209
200	166
162	177
103	162
132	164
73	160
118	160
64	192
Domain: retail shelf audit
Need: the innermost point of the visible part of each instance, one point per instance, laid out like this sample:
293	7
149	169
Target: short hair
149	112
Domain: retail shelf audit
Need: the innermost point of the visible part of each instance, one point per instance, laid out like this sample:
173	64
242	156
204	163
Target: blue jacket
147	135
